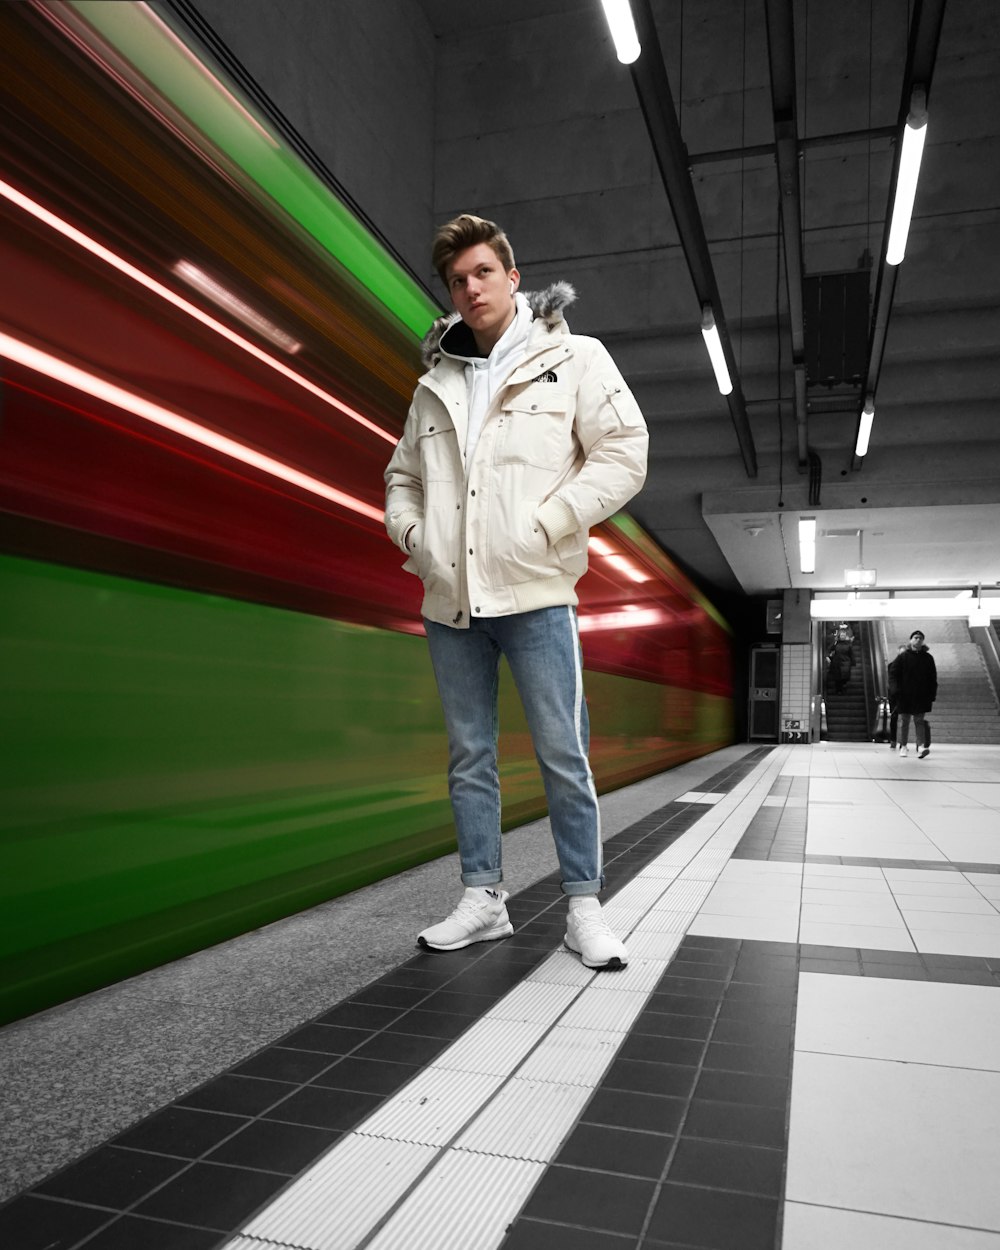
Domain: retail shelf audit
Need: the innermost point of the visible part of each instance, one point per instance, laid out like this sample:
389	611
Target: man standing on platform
916	675
520	437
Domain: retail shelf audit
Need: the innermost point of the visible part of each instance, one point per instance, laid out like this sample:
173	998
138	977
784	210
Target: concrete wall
356	80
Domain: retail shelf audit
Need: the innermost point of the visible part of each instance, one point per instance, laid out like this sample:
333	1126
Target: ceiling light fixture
622	26
710	333
914	135
866	609
807	544
865	426
108	392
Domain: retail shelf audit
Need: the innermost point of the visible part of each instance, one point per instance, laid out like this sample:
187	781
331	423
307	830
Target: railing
873	666
986	638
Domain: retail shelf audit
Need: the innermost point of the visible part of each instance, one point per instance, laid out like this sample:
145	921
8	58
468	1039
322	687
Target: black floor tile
273	1146
430	1024
534	1235
111	1177
669	1024
180	1131
703	969
325	1108
749	1009
594	1200
389	995
683	1005
749	1124
650	1113
131	1232
368	1077
743	1087
690	987
683	1050
767	1060
30	1223
236	1095
326	1039
651	1078
359	1016
401	1048
725	1165
212	1196
752	1033
283	1063
606	1149
712	1219
464	1003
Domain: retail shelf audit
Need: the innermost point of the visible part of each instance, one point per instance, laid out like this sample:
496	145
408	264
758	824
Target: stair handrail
985	637
873	668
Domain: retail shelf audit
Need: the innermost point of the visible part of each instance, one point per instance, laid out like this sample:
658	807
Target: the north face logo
548	376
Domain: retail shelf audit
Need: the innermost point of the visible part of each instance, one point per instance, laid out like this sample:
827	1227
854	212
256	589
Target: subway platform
803	1052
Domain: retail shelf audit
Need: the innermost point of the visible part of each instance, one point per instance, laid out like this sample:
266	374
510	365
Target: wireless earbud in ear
512	286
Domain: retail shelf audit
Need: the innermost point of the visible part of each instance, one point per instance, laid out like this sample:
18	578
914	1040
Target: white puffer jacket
563	446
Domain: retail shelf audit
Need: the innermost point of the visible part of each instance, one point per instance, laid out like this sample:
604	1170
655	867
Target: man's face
916	642
480	293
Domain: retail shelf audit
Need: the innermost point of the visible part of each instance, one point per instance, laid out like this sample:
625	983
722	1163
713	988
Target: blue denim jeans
543	651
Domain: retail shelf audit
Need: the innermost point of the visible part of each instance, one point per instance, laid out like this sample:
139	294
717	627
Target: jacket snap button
470	551
479	609
473	492
534	407
430	429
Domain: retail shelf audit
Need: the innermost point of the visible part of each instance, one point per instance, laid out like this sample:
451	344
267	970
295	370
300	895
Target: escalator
854	697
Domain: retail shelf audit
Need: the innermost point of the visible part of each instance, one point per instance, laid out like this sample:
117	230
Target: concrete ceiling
540	127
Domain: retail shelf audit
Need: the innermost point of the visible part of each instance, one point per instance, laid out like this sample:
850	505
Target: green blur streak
179	768
274	168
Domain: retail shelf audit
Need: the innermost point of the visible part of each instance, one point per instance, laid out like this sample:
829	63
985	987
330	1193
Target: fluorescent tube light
860	577
807	544
908	609
865	426
710	332
622	27
914	134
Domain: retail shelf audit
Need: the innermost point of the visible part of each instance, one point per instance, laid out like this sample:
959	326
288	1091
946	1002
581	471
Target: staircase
966	709
847	713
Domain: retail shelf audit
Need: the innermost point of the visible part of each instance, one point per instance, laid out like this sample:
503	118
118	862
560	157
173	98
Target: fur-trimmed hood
547	304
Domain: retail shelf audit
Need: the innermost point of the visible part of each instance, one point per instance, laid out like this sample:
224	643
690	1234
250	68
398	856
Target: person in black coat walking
916	675
893	693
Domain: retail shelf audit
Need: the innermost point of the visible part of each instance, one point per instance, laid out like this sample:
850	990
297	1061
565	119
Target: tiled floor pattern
508	1088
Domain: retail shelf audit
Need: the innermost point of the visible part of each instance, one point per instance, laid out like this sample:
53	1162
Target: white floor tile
957	922
844	872
529	1119
970	905
846	897
835	790
941	942
881	916
826	1228
925	1022
873	936
982	792
971	820
969	848
957	887
924	876
755	928
894	1138
815	883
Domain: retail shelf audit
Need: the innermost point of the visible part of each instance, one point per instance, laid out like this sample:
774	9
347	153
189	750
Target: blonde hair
466	231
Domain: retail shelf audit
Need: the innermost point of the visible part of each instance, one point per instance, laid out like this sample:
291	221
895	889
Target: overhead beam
925	34
649	76
781	51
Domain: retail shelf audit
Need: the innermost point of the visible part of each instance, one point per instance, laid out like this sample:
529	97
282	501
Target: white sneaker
588	935
480	917
903	751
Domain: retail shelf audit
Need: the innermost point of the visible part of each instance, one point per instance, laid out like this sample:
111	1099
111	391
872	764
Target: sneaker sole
614	964
488	935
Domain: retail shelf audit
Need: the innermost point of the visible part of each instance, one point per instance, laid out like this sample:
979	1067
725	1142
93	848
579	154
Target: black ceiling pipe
649	74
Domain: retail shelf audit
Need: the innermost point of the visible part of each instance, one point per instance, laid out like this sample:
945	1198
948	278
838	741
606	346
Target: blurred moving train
217	705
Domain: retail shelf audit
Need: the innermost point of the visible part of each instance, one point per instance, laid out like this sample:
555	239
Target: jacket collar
546	305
